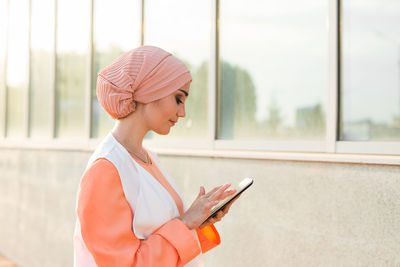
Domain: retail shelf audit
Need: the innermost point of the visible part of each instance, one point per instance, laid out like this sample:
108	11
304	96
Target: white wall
296	213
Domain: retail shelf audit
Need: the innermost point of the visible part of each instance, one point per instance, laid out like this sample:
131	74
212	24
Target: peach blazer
156	237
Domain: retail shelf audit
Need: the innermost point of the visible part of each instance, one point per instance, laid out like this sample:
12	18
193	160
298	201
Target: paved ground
6	263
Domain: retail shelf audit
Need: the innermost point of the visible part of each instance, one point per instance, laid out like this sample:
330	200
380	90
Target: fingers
215	218
227	207
200	208
219	215
212	203
213	191
230	204
202	192
216	194
227	193
210	221
220	193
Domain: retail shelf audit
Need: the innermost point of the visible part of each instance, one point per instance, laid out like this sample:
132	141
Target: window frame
324	150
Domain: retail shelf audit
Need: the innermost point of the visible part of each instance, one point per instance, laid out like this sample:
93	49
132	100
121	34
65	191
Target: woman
129	211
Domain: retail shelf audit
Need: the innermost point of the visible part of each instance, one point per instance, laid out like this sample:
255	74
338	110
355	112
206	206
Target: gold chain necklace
140	156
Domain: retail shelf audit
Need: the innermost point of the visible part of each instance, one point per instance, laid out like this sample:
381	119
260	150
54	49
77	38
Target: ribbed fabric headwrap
143	75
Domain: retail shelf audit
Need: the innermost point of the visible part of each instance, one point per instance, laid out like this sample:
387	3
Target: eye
178	100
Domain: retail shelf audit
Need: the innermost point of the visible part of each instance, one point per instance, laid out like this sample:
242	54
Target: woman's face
162	114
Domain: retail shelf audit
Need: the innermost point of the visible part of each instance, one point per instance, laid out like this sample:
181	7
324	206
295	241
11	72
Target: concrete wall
37	201
296	214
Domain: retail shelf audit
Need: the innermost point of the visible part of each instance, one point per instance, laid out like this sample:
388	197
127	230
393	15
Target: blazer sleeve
106	226
209	238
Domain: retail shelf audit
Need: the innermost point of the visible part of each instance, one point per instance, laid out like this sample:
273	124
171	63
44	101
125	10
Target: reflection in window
370	97
185	32
73	31
17	67
273	66
116	31
42	67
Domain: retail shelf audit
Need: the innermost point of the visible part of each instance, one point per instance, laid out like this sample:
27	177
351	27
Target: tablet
243	185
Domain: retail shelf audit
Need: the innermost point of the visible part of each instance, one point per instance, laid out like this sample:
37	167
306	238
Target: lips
172	122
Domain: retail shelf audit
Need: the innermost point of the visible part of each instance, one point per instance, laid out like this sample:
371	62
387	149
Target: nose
181	111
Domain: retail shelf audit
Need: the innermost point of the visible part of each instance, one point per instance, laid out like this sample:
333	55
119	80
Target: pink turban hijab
144	74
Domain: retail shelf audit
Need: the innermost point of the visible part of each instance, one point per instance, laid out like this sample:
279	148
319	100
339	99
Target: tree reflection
71	84
237	102
195	125
274	120
238	107
310	121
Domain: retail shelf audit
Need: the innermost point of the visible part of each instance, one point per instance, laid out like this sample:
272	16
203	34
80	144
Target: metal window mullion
3	87
213	75
53	97
90	82
142	7
28	86
333	76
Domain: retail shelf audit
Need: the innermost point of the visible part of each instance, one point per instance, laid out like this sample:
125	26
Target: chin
163	131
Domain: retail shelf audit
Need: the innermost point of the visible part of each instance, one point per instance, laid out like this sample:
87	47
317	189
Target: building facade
302	96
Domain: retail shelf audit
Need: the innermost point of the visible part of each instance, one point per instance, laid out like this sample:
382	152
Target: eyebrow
183	91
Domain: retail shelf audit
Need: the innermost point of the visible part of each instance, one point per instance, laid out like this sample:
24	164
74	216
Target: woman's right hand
200	208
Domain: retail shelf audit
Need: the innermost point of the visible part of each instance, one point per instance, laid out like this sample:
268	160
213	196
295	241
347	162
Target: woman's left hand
219	215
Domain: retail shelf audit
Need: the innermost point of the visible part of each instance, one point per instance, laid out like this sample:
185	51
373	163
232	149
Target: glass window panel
17	67
370	96
273	65
183	28
73	31
116	30
3	40
42	67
